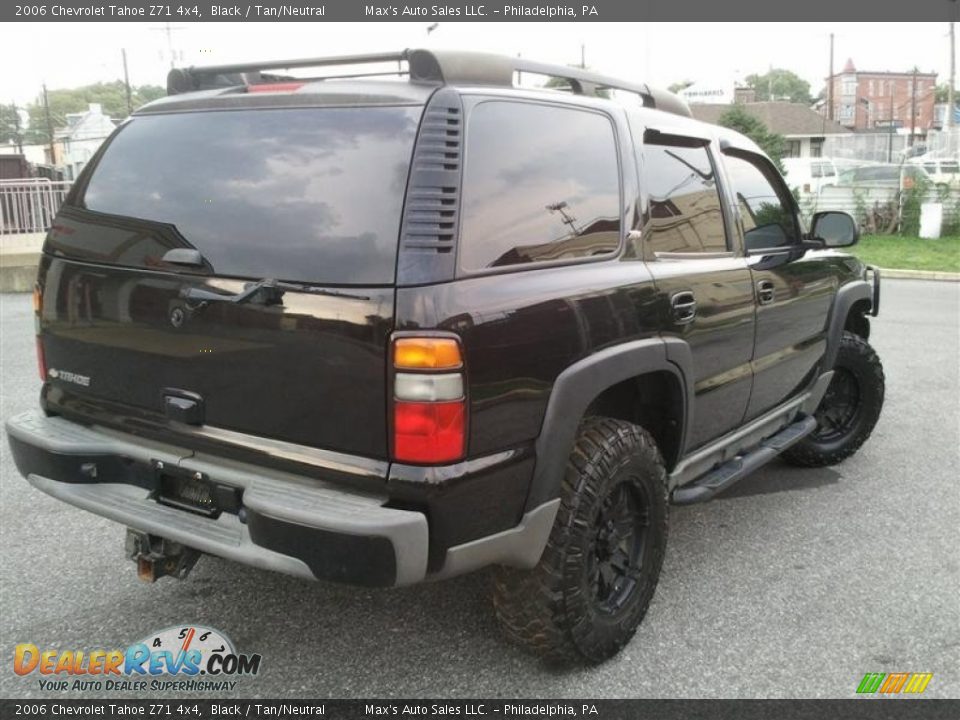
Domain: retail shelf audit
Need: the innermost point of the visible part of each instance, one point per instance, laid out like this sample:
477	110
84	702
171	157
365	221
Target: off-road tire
553	609
856	362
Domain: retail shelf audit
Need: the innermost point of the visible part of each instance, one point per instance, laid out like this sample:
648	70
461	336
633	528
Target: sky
657	53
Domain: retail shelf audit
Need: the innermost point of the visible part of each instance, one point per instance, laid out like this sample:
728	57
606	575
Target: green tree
11	127
779	84
736	118
111	95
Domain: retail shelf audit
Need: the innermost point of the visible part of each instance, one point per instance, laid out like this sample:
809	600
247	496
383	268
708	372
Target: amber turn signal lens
37	298
426	353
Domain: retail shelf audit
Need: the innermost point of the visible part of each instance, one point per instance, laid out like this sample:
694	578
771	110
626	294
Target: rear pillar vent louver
429	230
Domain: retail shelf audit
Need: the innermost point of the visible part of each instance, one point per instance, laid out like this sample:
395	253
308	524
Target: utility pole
953	69
890	127
830	83
46	110
913	105
126	80
583	56
168	30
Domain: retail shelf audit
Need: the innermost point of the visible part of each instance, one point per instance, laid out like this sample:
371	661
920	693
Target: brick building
862	99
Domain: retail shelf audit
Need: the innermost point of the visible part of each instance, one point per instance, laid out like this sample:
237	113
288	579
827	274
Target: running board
722	477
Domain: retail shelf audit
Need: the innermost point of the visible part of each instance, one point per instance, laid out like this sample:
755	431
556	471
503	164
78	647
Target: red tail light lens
37	307
41	360
428	432
274	87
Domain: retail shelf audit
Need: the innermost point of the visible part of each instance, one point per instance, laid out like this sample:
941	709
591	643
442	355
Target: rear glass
311	195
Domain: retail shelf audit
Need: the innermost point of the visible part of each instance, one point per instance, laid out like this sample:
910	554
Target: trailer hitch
157	557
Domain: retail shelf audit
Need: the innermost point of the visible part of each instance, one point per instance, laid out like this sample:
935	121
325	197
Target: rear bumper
291	524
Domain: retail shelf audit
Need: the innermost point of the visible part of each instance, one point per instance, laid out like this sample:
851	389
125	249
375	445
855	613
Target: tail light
429	404
274	87
37	307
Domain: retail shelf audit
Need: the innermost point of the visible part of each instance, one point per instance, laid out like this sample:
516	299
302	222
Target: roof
783	118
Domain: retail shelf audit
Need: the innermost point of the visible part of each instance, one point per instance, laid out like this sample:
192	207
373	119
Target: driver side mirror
834	229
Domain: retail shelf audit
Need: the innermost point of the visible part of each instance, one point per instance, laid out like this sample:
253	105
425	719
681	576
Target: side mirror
834	229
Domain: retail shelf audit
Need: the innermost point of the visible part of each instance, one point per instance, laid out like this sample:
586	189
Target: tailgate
307	369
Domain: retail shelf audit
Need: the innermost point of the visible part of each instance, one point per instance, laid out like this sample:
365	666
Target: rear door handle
765	292
684	306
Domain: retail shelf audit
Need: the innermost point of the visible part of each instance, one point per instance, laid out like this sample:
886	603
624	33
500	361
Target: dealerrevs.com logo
180	658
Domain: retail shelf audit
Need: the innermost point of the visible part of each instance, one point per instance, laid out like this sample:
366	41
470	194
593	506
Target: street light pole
953	69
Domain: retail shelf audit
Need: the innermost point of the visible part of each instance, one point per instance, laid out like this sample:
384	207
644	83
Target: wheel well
857	321
654	401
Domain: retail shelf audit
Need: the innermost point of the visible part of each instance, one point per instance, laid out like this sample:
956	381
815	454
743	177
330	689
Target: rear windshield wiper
263	292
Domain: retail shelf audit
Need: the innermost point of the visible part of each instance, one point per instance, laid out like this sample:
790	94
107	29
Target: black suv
382	329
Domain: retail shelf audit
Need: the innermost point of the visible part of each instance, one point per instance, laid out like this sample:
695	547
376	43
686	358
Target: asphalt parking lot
793	584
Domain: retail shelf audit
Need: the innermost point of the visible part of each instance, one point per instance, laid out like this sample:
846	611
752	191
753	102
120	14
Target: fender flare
580	384
845	299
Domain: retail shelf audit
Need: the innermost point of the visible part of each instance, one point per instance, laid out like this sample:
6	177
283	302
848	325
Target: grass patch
909	253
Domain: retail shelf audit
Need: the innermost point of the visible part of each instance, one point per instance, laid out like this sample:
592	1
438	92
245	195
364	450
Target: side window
685	210
767	215
540	183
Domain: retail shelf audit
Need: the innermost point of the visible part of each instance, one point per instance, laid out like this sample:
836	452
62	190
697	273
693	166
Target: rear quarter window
311	195
541	183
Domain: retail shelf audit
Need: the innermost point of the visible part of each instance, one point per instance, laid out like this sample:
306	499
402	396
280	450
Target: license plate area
187	490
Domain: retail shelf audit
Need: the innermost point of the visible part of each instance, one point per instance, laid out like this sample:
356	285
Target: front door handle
765	292
684	306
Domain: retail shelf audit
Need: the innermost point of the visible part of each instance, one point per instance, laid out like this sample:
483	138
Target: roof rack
440	67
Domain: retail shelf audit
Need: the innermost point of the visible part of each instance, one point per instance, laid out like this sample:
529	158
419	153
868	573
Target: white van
942	171
809	174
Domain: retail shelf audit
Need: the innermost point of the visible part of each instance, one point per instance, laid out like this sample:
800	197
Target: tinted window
685	212
541	183
768	220
307	194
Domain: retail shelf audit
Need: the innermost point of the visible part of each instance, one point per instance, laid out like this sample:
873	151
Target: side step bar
722	477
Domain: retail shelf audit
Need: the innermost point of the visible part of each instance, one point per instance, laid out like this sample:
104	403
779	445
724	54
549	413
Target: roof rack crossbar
440	67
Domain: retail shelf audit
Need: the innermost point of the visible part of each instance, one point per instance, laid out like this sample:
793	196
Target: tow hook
156	556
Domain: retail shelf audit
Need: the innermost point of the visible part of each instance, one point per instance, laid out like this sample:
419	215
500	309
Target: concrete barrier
19	257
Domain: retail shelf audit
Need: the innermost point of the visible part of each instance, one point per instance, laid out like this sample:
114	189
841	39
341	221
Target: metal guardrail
29	205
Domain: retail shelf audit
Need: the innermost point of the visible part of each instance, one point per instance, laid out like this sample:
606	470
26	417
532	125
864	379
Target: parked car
378	332
809	174
942	171
900	177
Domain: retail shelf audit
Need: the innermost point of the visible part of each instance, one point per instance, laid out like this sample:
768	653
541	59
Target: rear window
311	195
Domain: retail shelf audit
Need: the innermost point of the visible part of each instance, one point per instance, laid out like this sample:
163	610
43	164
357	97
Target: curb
918	275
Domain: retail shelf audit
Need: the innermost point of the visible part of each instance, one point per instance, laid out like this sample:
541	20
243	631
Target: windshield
311	195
